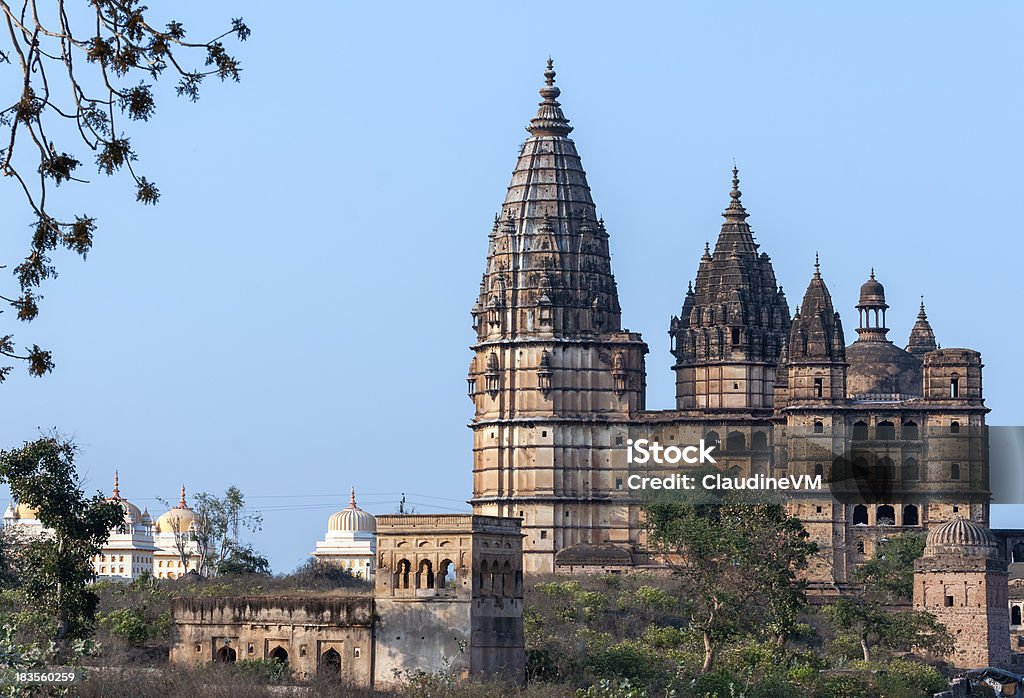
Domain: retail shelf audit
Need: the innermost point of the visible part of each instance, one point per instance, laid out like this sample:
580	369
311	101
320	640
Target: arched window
507	580
954	427
712	439
1015	615
860	515
910	431
736	441
954	471
885	470
819	470
330	662
910	517
425	575
760	441
911	471
886	431
860	431
819	427
402	574
885	515
446	575
860	468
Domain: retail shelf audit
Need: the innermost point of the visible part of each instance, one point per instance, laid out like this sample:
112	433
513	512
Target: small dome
961	537
131	512
24	511
352	518
872	293
177	520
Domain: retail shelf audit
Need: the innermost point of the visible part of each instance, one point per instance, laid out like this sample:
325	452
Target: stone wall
324	633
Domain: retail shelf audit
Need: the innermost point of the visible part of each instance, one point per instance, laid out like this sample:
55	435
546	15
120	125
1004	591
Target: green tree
888	578
739	556
243	559
55	569
217	526
84	69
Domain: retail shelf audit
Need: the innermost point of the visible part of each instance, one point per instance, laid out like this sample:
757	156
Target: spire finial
872	272
117	490
352	496
181	502
817	266
921	315
735	211
550	121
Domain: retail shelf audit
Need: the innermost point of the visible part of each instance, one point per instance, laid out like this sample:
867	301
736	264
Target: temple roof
817	332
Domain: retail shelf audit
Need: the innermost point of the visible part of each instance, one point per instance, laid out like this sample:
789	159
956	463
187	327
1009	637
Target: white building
138	545
129	550
173	526
351	541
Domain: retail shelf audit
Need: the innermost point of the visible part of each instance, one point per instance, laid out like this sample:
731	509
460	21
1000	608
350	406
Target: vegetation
83	70
53	572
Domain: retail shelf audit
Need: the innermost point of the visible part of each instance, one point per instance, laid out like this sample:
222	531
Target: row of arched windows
885	515
886	430
423	577
737	441
495	579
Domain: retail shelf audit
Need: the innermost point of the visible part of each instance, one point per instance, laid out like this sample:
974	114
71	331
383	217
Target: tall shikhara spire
735	316
548	266
550	357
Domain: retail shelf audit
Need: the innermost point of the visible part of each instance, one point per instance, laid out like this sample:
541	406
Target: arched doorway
330	662
280	654
226	654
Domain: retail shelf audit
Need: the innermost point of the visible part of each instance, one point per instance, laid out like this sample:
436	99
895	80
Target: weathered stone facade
559	386
448	597
962	580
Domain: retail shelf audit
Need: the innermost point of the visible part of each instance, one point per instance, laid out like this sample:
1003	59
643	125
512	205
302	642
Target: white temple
351	541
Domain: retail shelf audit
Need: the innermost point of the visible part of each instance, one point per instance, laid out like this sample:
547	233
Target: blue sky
293	317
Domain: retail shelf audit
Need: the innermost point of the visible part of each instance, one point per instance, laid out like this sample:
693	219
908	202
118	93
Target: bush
843	686
128	624
263	670
906	678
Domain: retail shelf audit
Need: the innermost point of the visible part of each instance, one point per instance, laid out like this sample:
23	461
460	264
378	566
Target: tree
886	579
55	569
738	555
216	527
83	70
243	559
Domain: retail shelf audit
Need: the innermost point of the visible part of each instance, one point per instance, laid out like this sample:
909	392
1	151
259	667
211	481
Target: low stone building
448	596
962	580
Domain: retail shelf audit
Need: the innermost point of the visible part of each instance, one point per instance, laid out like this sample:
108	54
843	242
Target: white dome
352	518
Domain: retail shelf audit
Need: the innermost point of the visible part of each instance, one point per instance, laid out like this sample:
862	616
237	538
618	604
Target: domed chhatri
132	514
352	518
961	536
872	292
351	540
177	520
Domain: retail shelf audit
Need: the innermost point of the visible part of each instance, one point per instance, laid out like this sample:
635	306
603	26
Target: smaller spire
181	502
735	210
116	494
550	121
921	315
352	499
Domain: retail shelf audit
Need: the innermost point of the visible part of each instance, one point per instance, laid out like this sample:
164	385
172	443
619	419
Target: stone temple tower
552	370
961	579
733	324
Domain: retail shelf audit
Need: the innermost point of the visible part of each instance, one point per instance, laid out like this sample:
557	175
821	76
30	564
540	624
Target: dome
872	293
177	520
131	512
24	511
961	537
881	368
352	518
